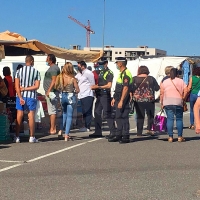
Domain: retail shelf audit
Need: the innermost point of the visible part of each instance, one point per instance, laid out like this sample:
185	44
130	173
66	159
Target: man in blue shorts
27	81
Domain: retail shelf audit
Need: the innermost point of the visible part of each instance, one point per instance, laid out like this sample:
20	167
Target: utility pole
104	8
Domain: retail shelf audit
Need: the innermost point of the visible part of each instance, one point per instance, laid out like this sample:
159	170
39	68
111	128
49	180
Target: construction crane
88	29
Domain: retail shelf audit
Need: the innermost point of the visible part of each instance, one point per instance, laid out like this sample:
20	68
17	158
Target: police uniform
103	103
122	114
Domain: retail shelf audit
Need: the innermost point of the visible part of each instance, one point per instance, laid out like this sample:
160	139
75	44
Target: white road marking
46	155
95	140
11	161
56	152
11	167
53	153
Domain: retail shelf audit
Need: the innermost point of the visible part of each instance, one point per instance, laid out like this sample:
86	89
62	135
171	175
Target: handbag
160	122
3	88
184	103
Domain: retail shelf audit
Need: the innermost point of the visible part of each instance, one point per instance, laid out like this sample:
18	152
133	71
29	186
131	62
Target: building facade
111	52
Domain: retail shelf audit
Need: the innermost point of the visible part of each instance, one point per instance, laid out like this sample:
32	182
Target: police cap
103	61
117	59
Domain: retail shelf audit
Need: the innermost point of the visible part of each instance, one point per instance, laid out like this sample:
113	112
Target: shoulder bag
184	103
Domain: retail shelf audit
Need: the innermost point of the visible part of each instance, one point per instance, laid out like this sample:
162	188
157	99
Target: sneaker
84	129
33	140
16	140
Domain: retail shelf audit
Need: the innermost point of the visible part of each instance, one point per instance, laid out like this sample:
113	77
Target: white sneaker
16	140
33	140
83	129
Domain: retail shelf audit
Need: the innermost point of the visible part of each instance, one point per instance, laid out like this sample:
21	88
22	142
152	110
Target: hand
47	94
22	88
94	87
22	102
120	104
162	106
113	102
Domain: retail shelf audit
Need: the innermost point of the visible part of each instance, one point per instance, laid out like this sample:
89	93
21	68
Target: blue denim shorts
30	104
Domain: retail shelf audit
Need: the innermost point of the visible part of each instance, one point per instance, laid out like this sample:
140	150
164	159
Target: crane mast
87	27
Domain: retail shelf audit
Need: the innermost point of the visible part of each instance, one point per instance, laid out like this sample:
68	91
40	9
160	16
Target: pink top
170	95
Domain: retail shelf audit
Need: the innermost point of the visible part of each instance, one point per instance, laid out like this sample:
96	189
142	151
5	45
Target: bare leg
31	117
197	115
52	124
20	115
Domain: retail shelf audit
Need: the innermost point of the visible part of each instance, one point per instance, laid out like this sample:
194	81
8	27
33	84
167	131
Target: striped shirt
27	76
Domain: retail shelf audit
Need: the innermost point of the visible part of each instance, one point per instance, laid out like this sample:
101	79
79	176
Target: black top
144	90
104	80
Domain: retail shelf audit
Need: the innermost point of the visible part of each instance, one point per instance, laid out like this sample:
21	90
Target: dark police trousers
103	103
122	119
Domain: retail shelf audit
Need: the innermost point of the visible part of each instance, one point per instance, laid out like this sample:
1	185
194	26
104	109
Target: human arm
156	86
76	86
124	94
91	78
53	81
185	91
30	88
57	83
113	102
109	79
161	94
189	87
107	86
125	90
17	88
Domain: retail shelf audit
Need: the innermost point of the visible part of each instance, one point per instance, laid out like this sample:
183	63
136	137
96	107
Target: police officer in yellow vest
103	100
121	101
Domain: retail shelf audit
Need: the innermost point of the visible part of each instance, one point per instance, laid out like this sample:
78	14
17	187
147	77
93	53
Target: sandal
150	133
170	139
191	127
60	134
181	139
68	138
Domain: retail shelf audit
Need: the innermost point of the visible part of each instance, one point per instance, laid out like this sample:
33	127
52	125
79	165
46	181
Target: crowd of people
65	87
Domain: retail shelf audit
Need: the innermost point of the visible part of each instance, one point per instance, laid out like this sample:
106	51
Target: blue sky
171	25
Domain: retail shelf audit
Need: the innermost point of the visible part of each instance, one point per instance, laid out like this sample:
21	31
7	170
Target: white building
111	52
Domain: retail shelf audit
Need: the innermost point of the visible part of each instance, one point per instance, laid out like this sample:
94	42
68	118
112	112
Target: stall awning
13	39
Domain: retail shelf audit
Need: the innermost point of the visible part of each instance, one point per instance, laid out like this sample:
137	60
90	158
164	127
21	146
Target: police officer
121	101
103	100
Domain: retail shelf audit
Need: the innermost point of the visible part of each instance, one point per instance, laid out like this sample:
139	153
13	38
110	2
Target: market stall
13	44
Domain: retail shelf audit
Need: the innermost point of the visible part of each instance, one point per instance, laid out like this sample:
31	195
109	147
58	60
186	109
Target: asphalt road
93	169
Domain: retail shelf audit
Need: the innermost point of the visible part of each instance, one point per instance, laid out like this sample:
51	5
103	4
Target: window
120	52
116	52
147	53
